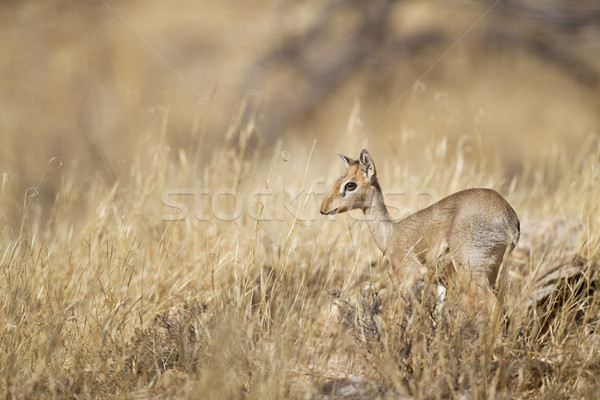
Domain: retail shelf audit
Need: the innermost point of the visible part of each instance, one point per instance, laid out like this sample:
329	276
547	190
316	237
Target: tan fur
474	229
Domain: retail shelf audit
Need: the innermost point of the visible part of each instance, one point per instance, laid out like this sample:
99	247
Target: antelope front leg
417	283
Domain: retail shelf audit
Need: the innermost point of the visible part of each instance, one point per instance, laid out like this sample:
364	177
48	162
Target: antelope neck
379	220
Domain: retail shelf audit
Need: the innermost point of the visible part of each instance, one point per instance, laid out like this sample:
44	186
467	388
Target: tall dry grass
103	303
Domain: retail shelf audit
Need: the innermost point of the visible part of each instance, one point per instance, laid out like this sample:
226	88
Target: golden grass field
159	240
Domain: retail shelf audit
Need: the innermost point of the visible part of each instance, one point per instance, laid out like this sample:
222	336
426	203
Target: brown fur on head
355	189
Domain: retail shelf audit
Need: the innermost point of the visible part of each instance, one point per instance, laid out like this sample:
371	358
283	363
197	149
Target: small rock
169	383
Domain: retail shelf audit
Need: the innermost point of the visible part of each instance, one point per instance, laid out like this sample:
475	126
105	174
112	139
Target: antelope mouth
334	211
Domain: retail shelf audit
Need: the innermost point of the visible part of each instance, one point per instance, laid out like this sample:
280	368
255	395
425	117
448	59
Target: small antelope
474	228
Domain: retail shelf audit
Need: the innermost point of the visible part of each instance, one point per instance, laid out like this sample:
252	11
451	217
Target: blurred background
509	84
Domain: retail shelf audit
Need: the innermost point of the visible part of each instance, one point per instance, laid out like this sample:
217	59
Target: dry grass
105	291
104	306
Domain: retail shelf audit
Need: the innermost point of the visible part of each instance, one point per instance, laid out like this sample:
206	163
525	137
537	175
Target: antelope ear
347	161
368	166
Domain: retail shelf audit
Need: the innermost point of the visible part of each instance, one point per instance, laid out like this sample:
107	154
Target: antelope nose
324	209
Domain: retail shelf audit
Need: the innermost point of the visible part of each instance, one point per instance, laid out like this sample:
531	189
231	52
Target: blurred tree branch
308	66
552	32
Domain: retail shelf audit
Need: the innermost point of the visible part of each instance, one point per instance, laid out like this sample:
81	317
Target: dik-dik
474	229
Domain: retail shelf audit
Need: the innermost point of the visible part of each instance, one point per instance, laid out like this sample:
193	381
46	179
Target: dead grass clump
173	340
414	349
566	296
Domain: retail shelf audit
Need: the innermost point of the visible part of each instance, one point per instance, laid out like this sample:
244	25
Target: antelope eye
350	186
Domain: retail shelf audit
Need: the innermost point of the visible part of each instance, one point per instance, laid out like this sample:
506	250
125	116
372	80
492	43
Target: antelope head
354	189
